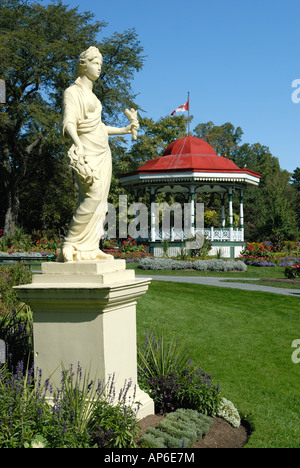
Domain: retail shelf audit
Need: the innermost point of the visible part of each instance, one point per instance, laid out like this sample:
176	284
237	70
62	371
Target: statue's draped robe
83	109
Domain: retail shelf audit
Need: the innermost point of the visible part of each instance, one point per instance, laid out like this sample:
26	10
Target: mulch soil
279	280
220	435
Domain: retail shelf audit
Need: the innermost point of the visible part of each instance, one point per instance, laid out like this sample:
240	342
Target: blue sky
236	58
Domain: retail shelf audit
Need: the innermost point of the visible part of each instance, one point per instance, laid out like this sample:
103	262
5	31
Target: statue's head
87	56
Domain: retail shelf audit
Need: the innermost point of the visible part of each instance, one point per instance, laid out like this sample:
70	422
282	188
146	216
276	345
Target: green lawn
243	338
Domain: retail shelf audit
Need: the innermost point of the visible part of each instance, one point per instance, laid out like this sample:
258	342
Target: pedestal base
85	312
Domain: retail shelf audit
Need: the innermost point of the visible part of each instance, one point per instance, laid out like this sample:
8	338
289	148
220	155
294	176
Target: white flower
227	411
37	444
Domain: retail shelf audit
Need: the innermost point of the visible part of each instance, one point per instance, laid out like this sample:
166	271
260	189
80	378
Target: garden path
221	283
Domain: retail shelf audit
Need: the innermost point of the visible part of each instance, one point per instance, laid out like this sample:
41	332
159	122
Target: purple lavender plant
166	372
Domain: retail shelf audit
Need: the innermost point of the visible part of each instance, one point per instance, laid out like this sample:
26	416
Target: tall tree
279	208
122	58
39	47
296	179
270	209
224	138
154	137
296	186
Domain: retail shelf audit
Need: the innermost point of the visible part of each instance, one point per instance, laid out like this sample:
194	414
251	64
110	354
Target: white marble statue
90	158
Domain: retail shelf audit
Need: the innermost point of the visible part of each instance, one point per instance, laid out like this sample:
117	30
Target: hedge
200	265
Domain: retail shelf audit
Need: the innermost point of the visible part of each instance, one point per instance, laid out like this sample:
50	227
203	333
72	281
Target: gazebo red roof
189	155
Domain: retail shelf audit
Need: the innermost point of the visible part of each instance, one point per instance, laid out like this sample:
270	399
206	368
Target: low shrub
179	429
228	411
16	255
200	265
10	276
16	330
131	245
115	426
130	257
292	271
168	375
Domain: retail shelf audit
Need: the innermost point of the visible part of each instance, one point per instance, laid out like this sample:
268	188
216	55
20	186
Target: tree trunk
12	213
14	178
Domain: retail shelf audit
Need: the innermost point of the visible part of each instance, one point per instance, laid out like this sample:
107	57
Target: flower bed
28	421
130	250
72	422
265	254
130	257
37	242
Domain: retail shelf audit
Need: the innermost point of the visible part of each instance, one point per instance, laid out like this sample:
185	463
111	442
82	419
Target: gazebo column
242	214
152	203
230	214
135	208
192	220
223	212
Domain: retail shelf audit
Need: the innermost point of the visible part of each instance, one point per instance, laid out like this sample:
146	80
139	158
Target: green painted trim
214	243
159	244
228	243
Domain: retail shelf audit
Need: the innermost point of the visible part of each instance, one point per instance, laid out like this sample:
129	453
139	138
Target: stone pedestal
85	312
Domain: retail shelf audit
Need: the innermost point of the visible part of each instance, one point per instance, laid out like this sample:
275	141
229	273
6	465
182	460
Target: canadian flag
183	108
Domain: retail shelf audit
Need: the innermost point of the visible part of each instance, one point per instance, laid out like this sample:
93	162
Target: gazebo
190	166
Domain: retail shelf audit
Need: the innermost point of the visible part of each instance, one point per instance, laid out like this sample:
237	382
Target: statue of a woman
90	158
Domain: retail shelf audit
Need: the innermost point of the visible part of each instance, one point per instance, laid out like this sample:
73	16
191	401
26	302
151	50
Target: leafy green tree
296	186
154	137
122	58
39	47
48	196
257	158
279	207
224	138
270	209
296	179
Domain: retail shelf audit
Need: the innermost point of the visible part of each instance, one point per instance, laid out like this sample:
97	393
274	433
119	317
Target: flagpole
188	114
